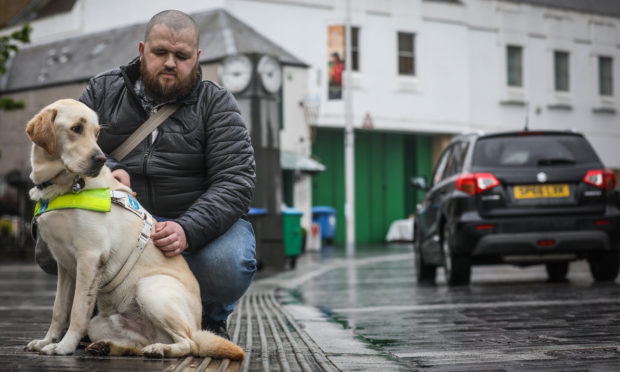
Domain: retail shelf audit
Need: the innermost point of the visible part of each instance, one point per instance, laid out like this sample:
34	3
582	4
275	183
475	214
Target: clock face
235	72
270	73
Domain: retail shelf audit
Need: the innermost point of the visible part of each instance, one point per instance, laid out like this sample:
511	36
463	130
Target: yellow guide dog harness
100	200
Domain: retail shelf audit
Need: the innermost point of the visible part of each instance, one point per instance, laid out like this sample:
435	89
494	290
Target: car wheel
456	267
604	266
425	273
556	271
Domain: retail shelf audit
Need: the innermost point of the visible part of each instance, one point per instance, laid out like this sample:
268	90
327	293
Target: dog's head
67	130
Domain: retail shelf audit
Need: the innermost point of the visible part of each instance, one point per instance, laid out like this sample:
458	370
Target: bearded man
196	172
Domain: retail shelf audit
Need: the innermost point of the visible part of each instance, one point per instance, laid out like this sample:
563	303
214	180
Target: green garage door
384	163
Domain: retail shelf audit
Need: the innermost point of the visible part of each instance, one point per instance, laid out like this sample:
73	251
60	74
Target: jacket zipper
147	157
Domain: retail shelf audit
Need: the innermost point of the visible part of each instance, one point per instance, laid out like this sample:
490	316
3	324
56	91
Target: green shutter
328	186
384	163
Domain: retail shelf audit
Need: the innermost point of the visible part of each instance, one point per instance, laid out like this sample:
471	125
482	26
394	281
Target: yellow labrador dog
155	310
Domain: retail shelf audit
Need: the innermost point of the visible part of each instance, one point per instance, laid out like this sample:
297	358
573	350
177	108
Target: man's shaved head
175	20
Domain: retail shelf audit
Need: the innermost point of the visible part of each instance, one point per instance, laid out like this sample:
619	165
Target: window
533	151
605	76
355	61
560	69
288	189
441	166
455	163
514	65
406	54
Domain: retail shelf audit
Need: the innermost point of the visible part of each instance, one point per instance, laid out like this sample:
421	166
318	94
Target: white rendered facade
460	57
460	81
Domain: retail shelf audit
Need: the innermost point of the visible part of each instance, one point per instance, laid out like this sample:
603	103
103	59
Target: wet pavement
508	319
367	313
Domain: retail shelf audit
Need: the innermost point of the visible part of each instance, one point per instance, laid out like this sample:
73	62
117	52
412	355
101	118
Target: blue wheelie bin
325	216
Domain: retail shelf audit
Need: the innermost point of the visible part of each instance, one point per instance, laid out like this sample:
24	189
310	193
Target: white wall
461	77
295	136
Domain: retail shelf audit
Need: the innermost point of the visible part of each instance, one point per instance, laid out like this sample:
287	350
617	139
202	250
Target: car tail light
601	178
475	183
545	243
485	227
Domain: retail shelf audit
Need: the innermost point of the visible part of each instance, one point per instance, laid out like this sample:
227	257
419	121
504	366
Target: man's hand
122	176
170	238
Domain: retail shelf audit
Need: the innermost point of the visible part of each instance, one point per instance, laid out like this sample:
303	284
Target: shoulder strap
144	130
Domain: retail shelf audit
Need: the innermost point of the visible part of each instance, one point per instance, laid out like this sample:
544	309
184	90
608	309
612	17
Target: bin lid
257	212
292	211
323	209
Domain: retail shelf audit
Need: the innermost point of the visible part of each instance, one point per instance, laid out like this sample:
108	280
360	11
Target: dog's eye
77	129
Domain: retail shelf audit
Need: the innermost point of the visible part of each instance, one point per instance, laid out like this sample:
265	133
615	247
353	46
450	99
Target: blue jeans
224	269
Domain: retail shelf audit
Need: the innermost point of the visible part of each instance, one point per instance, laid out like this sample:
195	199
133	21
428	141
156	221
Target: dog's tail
216	346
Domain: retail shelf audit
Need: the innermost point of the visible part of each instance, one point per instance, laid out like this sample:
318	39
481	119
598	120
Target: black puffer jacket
200	170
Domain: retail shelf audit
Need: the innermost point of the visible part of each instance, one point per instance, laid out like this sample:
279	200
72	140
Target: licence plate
542	191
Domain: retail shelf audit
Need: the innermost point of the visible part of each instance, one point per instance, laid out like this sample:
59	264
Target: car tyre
425	273
457	267
557	271
604	266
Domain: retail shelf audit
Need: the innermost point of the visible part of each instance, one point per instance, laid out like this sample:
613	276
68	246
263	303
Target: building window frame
605	67
406	61
514	66
355	48
561	71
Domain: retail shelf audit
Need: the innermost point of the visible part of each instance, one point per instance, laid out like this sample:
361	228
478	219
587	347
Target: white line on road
296	279
488	355
476	305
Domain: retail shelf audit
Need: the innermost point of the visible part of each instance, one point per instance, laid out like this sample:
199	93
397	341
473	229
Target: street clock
270	73
237	72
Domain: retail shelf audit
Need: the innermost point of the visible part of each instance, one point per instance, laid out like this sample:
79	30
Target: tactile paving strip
272	340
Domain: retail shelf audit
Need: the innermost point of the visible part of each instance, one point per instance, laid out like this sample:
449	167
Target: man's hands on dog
170	238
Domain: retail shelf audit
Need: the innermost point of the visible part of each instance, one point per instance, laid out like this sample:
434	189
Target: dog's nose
98	159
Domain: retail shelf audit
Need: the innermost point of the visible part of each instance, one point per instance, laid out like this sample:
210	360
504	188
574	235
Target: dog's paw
56	349
36	345
100	348
153	351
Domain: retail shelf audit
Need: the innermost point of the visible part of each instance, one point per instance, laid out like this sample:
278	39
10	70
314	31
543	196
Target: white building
465	65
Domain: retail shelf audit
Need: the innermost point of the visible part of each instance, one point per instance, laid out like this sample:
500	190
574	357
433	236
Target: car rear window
533	150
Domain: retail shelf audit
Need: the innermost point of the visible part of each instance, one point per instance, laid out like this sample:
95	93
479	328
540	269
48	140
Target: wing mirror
419	183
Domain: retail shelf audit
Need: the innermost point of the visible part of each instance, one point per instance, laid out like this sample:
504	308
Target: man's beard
163	93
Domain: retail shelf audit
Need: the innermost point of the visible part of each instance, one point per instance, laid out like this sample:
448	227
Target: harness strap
97	200
100	200
128	202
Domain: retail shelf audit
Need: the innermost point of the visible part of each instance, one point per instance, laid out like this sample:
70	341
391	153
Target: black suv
518	198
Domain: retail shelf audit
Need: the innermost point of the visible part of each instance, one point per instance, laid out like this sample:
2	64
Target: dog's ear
41	130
